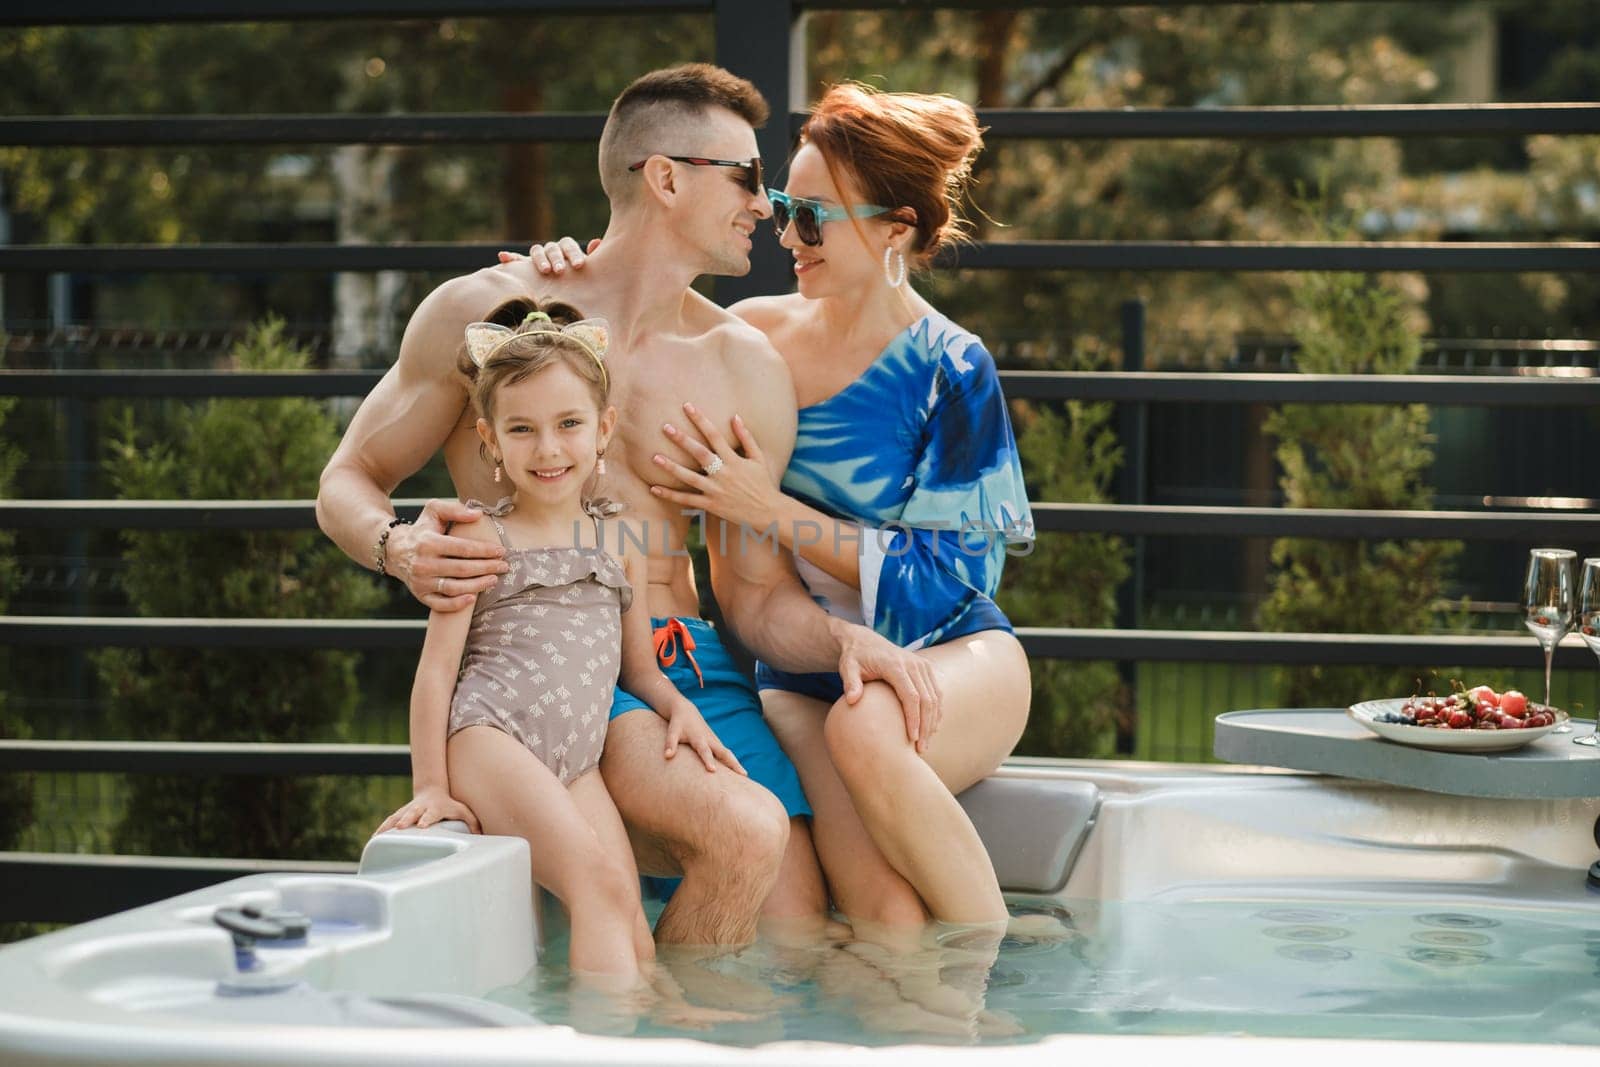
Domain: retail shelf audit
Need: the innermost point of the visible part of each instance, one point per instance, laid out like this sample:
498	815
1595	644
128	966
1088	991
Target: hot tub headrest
1032	827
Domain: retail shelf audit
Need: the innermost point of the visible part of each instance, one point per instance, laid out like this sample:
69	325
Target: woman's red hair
901	150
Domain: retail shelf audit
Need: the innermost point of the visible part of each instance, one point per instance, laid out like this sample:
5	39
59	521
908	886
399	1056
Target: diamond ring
714	466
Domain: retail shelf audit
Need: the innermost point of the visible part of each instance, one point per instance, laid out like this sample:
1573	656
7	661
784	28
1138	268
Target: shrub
16	790
1070	579
1353	456
244	449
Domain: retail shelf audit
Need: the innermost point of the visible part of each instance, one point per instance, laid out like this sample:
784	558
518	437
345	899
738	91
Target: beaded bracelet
380	550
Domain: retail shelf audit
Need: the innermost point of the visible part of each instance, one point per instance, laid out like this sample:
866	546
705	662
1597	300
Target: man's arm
754	582
406	418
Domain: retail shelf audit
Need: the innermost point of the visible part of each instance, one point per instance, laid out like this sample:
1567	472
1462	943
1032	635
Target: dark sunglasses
809	215
751	168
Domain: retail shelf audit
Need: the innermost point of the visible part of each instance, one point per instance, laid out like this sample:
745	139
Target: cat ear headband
591	335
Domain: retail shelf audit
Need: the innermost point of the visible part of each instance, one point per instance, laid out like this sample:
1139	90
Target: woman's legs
863	884
906	802
516	795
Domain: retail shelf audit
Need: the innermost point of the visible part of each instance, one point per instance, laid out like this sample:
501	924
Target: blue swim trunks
692	655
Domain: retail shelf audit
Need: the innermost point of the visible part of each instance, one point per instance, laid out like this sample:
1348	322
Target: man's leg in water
725	834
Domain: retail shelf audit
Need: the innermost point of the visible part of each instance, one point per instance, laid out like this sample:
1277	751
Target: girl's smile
547	433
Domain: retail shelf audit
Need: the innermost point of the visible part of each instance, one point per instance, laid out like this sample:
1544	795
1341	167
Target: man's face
716	214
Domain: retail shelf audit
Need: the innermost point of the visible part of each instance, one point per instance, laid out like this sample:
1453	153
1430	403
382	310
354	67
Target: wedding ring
714	466
440	587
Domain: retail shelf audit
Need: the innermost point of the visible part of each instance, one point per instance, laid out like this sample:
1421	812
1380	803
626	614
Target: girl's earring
600	462
497	471
895	277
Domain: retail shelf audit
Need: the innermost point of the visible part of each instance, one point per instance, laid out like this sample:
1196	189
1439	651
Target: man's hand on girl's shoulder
443	570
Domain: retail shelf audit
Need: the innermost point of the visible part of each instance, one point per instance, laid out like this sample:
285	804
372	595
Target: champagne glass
1589	624
1547	598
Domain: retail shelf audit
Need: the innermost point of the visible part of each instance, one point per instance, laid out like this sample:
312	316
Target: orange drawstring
666	641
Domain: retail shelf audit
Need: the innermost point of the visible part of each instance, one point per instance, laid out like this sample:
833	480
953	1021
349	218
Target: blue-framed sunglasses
809	215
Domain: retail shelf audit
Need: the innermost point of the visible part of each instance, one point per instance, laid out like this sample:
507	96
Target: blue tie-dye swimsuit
918	451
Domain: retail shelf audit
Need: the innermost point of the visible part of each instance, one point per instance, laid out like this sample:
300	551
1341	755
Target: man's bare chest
650	399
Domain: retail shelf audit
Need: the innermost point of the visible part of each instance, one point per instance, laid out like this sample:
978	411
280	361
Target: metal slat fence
1179	123
754	37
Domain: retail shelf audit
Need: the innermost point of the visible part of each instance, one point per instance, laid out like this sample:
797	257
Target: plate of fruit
1472	720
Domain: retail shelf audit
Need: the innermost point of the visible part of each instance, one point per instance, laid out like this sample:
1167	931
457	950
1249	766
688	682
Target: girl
510	703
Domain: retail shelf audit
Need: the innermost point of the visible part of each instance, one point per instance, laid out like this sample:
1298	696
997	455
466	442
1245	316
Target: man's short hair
658	110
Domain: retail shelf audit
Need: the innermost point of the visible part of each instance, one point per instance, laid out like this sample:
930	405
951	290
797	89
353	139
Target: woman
902	494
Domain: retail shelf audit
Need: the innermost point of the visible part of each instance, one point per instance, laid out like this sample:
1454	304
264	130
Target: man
679	165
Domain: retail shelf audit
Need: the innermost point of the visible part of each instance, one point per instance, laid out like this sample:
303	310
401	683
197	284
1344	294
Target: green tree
182	194
1070	579
235	449
1096	189
1353	456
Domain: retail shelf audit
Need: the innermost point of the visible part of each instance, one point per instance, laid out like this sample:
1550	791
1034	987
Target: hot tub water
1428	968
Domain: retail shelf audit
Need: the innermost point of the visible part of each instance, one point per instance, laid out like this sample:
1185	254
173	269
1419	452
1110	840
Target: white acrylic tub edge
1159	827
32	1043
466	900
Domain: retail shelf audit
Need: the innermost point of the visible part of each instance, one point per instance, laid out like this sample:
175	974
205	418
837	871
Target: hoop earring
600	462
897	277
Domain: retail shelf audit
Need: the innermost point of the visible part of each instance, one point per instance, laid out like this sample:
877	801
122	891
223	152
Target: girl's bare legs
589	793
516	795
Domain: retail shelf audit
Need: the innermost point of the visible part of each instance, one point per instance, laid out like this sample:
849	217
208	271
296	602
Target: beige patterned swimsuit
544	650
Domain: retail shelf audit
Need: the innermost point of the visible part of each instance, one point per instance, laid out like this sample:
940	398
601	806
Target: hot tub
1238	913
